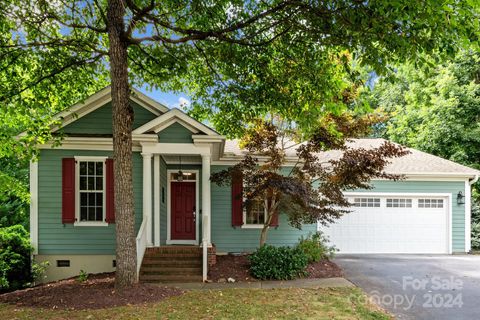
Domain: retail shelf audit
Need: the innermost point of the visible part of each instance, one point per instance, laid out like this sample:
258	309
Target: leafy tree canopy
437	109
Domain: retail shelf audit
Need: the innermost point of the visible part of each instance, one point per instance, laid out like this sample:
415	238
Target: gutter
475	179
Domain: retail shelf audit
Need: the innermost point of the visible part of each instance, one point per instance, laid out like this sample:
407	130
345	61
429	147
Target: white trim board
468	216
197	207
34	205
172	116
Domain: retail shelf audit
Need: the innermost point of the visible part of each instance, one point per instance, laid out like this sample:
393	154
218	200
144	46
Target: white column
34	205
147	194
156	198
206	198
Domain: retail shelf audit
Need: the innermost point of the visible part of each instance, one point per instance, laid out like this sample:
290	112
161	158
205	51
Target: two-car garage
393	223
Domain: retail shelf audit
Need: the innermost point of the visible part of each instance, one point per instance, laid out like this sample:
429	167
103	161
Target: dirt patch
238	268
95	293
324	269
231	266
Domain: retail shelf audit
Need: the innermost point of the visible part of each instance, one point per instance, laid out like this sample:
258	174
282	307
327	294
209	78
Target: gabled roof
98	100
172	116
415	163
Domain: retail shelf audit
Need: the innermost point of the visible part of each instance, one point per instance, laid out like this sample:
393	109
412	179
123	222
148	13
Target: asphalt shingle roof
416	162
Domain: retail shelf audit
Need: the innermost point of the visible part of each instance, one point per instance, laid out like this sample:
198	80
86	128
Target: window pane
99	215
83	199
83	213
99	184
83	168
91	199
91	213
99	168
91	168
99	199
91	183
83	183
256	214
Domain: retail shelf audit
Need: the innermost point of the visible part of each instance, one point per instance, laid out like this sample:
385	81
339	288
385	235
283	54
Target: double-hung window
91	185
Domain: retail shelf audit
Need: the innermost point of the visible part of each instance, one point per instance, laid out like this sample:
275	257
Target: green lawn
341	303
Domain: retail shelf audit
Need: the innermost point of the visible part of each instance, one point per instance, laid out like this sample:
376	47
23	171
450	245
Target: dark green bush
475	225
316	247
15	250
278	263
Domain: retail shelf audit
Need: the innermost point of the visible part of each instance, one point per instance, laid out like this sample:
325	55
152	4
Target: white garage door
384	224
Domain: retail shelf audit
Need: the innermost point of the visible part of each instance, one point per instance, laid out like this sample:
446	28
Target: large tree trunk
122	148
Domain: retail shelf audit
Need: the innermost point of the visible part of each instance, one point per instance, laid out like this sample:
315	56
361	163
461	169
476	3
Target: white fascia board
80	143
148	103
173	120
161	122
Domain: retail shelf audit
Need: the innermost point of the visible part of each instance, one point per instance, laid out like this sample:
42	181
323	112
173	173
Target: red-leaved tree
311	189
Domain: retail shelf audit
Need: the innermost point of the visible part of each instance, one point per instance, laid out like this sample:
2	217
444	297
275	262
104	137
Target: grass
338	303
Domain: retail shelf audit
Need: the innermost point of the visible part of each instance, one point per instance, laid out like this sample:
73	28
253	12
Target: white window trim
169	239
245	225
77	222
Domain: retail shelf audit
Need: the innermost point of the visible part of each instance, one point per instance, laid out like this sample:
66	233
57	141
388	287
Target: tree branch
53	74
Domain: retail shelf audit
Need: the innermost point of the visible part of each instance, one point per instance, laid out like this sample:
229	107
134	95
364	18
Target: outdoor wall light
180	173
460	198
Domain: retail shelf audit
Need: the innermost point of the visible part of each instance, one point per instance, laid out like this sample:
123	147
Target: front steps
172	264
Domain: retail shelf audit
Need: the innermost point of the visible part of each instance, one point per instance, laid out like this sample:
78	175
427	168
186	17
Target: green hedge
15	251
278	263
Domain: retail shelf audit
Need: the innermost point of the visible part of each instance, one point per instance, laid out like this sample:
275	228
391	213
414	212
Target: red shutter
110	203
68	190
274	222
237	200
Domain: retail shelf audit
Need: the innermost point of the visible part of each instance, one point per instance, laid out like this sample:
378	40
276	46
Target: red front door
182	210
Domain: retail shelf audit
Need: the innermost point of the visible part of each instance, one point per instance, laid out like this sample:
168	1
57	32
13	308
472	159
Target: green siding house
73	220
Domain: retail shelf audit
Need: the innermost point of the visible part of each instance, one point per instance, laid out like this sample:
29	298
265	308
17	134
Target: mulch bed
95	293
237	267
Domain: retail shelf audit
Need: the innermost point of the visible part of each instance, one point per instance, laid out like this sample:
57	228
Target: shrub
475	232
83	276
316	247
278	263
15	250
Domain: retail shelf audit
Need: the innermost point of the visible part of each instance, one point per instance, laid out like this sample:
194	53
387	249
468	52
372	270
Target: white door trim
197	207
447	196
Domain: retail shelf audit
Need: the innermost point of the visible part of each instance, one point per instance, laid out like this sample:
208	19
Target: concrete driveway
418	286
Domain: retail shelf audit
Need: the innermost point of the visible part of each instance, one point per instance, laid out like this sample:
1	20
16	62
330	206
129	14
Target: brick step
180	258
172	264
171	278
170	271
169	250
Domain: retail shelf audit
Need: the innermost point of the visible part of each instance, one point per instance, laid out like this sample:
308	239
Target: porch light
180	173
460	198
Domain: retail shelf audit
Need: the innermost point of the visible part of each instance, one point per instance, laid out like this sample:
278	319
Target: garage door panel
391	229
